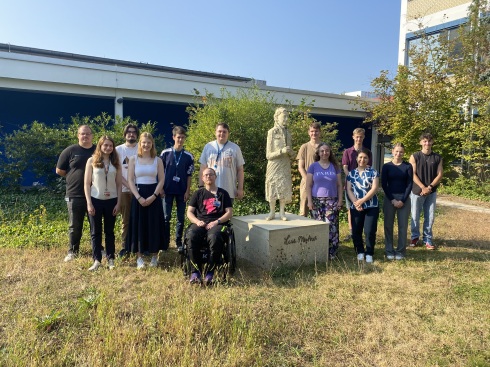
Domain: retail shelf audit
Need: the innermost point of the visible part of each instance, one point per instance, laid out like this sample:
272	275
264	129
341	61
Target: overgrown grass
430	310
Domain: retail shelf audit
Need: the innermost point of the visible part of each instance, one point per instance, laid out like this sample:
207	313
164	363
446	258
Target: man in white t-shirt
126	151
225	157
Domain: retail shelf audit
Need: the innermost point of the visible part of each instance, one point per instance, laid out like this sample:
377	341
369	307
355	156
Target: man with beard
126	151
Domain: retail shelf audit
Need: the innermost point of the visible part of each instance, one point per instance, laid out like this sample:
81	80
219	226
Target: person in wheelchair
209	210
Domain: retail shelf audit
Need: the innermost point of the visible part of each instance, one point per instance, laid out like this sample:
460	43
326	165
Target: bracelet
155	195
219	222
138	199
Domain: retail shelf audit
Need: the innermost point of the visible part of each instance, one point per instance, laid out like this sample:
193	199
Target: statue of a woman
278	183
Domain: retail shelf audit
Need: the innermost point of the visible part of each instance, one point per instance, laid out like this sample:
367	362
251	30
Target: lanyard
175	156
106	171
219	152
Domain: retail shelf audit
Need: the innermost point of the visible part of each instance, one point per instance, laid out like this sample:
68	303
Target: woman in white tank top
146	223
103	185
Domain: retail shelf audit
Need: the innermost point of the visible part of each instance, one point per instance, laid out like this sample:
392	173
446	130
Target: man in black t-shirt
71	165
427	174
209	211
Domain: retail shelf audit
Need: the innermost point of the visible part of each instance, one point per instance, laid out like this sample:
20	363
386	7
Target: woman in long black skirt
145	179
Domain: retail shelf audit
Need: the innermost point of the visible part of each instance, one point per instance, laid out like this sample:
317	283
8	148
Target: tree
445	82
472	85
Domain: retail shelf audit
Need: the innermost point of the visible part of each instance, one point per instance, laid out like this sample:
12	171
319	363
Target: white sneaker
399	257
95	266
390	257
154	262
69	257
140	263
369	259
360	257
111	265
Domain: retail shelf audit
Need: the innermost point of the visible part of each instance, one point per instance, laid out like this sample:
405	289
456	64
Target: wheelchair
227	264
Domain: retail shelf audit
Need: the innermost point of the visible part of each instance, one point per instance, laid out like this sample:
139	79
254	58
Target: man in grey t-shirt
225	157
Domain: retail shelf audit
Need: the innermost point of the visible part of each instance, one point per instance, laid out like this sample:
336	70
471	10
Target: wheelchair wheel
231	253
185	264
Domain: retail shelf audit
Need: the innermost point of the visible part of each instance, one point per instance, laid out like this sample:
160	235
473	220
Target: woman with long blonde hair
146	224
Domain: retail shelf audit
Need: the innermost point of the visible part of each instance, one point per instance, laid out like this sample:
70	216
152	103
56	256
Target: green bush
36	147
469	188
250	115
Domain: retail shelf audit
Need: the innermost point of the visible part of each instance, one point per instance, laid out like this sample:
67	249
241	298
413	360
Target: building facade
433	16
49	86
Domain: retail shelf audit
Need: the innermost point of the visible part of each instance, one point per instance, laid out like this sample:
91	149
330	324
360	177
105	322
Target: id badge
176	178
217	203
107	193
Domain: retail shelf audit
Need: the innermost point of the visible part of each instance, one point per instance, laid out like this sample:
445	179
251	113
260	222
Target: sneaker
208	279
369	259
414	242
390	257
69	257
360	257
140	263
399	257
110	263
195	278
154	262
429	246
95	266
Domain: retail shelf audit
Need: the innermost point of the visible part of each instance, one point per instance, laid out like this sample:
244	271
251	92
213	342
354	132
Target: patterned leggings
326	210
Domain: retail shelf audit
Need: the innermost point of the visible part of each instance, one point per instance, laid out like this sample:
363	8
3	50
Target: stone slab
271	244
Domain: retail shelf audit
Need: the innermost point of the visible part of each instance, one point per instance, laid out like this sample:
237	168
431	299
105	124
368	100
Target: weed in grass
49	322
91	299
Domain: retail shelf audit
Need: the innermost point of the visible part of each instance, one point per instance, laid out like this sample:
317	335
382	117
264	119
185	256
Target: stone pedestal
270	244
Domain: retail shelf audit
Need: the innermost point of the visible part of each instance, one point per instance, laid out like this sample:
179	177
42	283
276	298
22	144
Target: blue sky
319	45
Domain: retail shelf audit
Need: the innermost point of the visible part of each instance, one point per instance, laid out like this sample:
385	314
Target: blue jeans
103	210
366	219
402	215
428	204
167	212
77	210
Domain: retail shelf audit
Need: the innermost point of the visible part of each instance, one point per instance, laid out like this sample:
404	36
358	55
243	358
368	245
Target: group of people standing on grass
409	188
104	180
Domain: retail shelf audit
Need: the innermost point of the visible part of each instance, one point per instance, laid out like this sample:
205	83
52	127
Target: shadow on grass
345	263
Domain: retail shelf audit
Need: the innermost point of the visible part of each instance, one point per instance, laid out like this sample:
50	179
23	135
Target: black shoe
123	253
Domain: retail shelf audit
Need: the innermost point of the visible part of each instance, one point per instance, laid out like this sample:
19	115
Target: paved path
472	208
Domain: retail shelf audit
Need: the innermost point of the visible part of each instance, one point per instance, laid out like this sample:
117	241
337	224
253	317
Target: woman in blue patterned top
362	186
